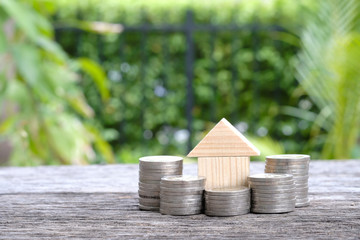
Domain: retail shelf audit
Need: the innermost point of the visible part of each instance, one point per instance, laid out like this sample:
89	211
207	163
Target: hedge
146	113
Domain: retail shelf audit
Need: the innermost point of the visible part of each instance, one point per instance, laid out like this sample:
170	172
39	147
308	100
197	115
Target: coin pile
298	166
272	193
181	195
151	170
231	201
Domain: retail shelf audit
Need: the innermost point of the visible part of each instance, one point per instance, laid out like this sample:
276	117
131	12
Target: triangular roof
224	140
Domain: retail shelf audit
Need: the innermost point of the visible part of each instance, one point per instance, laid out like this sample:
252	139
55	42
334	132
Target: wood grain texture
224	140
100	202
224	171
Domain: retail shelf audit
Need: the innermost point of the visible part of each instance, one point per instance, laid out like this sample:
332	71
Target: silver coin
181	209
148	178
185	185
152	189
148	193
181	190
149	189
180	213
275	207
150	182
268	177
160	159
275	191
178	206
184	192
227	190
149	185
229	200
301	196
286	195
304	190
298	182
289	182
180	198
293	167
282	171
161	169
181	195
142	207
280	210
275	187
227	208
232	203
295	173
149	204
228	205
302	204
273	204
159	174
301	178
301	191
149	200
153	166
289	157
292	170
227	197
184	180
286	163
267	200
302	199
287	166
184	202
226	214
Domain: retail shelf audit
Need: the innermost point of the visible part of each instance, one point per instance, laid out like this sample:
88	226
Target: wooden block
224	140
224	171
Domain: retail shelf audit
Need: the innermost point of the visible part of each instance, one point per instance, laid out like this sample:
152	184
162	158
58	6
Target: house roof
224	140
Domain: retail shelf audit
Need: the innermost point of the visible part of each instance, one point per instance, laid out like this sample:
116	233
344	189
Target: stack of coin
298	166
231	201
181	195
272	193
151	170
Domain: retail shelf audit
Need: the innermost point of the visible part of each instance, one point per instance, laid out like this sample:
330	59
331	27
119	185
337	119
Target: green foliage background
45	118
66	94
255	97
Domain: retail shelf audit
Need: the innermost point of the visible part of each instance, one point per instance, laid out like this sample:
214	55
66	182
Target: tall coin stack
231	201
272	193
298	166
151	170
181	195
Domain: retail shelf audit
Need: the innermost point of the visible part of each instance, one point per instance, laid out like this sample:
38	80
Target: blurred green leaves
328	71
45	114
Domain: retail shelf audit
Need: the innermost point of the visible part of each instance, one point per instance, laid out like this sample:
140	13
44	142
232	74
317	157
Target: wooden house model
224	156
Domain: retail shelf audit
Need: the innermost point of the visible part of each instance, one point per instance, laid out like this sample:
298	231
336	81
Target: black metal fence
188	29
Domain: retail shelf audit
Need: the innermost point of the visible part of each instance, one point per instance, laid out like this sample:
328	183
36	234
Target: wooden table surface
100	202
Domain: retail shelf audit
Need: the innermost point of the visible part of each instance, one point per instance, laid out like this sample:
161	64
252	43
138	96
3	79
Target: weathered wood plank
99	202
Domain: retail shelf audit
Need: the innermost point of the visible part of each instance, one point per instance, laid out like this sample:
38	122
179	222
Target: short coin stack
151	170
298	166
181	195
272	193
229	201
